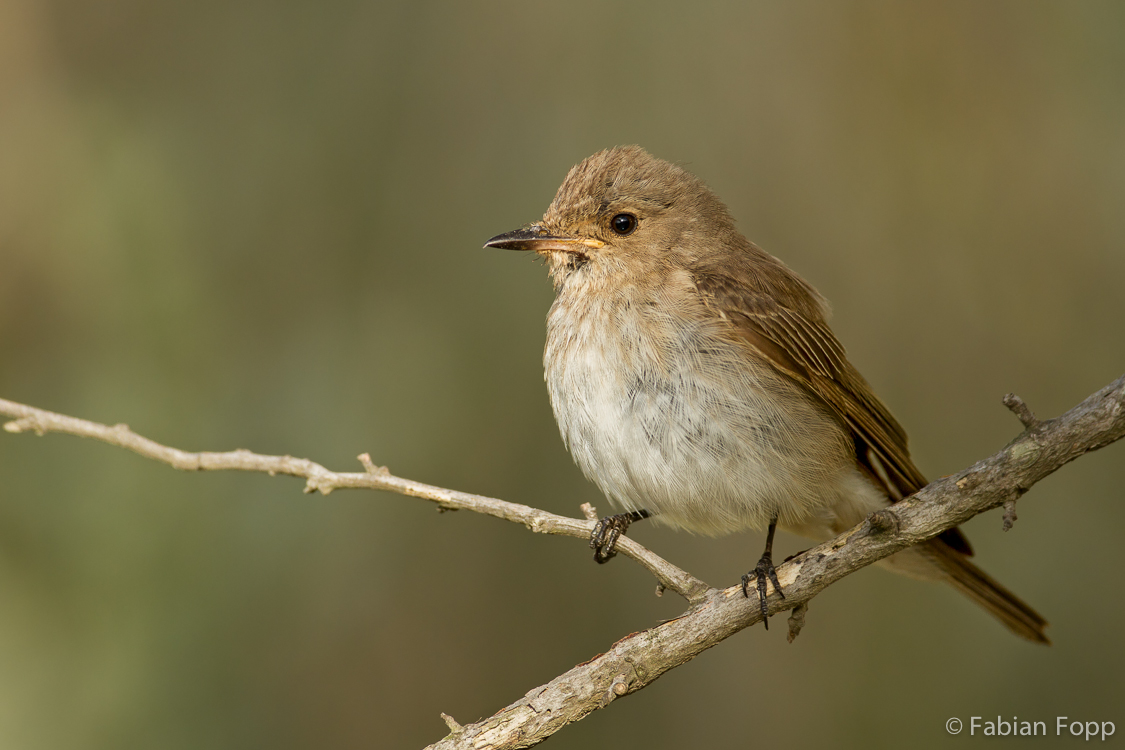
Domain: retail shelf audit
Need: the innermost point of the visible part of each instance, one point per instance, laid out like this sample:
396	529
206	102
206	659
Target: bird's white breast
664	411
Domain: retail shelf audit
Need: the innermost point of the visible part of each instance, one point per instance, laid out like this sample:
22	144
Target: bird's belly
691	428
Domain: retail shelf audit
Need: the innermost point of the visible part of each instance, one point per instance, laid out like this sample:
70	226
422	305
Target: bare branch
637	660
318	478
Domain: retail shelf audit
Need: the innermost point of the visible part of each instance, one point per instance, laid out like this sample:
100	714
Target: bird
695	380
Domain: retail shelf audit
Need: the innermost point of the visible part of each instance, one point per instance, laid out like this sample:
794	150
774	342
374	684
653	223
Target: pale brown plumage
805	348
695	375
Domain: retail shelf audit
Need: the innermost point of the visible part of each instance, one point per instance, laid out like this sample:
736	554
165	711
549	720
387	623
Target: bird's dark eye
623	223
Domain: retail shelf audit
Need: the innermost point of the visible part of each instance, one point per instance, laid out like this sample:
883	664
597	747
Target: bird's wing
802	345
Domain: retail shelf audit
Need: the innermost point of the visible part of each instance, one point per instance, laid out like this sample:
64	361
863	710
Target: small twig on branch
797	621
1009	514
1021	410
637	660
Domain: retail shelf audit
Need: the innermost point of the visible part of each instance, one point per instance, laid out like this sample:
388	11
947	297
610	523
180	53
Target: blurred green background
259	224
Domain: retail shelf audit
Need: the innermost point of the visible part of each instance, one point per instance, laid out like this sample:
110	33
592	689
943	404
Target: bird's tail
936	560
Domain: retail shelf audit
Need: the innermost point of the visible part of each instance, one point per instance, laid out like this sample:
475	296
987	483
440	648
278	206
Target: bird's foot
763	570
603	540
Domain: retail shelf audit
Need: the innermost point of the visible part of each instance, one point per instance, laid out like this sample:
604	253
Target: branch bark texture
637	660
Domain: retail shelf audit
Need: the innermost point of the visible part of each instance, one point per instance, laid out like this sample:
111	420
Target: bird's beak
539	240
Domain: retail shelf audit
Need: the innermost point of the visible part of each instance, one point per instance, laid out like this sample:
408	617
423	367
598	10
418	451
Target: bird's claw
603	539
763	570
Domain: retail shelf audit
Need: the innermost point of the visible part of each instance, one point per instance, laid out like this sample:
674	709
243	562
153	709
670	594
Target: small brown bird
695	379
